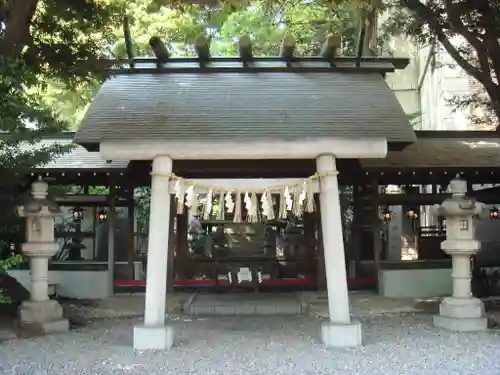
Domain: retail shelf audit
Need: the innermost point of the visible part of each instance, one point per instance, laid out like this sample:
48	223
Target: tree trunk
17	33
368	20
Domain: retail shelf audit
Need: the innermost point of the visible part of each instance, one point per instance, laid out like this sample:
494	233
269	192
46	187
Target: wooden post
376	225
310	240
171	245
111	220
321	277
355	242
182	246
130	234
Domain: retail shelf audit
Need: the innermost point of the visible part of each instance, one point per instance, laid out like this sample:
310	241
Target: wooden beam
88	200
486	196
410	199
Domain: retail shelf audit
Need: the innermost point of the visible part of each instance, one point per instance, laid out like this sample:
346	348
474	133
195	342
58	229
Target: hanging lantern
77	213
102	215
493	213
412	214
387	215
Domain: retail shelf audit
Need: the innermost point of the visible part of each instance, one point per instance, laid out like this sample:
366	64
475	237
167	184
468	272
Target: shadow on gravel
73	310
428	306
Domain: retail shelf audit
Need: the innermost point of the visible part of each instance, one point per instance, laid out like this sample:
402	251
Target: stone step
237	304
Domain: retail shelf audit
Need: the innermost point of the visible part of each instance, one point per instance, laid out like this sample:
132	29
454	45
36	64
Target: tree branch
432	20
491	37
17	32
454	18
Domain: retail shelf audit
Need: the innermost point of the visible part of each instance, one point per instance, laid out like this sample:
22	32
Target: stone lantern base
41	318
461	314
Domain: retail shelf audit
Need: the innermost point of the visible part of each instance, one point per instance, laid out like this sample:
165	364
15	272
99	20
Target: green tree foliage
42	42
309	22
469	30
178	24
10	261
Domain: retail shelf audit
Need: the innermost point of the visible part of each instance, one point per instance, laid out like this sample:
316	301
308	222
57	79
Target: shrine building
257	146
244	127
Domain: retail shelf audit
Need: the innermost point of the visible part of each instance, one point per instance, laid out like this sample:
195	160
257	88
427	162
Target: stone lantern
461	311
40	314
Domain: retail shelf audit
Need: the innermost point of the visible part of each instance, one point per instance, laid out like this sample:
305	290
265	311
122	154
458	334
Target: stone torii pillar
461	311
339	331
40	314
154	334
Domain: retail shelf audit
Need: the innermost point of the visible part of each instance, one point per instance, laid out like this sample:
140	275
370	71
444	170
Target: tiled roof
441	153
239	106
78	158
439	150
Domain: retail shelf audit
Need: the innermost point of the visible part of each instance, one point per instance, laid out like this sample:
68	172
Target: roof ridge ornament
288	47
330	47
245	49
329	53
160	50
202	48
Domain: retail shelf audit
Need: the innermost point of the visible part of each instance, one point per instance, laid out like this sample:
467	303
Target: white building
426	85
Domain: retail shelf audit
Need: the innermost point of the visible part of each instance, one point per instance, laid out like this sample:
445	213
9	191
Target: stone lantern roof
37	202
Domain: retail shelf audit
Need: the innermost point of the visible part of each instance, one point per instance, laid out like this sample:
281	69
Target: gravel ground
394	344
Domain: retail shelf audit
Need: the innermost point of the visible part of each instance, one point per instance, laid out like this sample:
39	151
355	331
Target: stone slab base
44	328
461	308
461	324
244	304
41	318
341	335
153	338
40	311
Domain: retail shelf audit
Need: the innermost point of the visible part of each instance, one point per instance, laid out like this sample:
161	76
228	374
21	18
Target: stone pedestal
151	337
40	315
341	335
461	314
461	311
